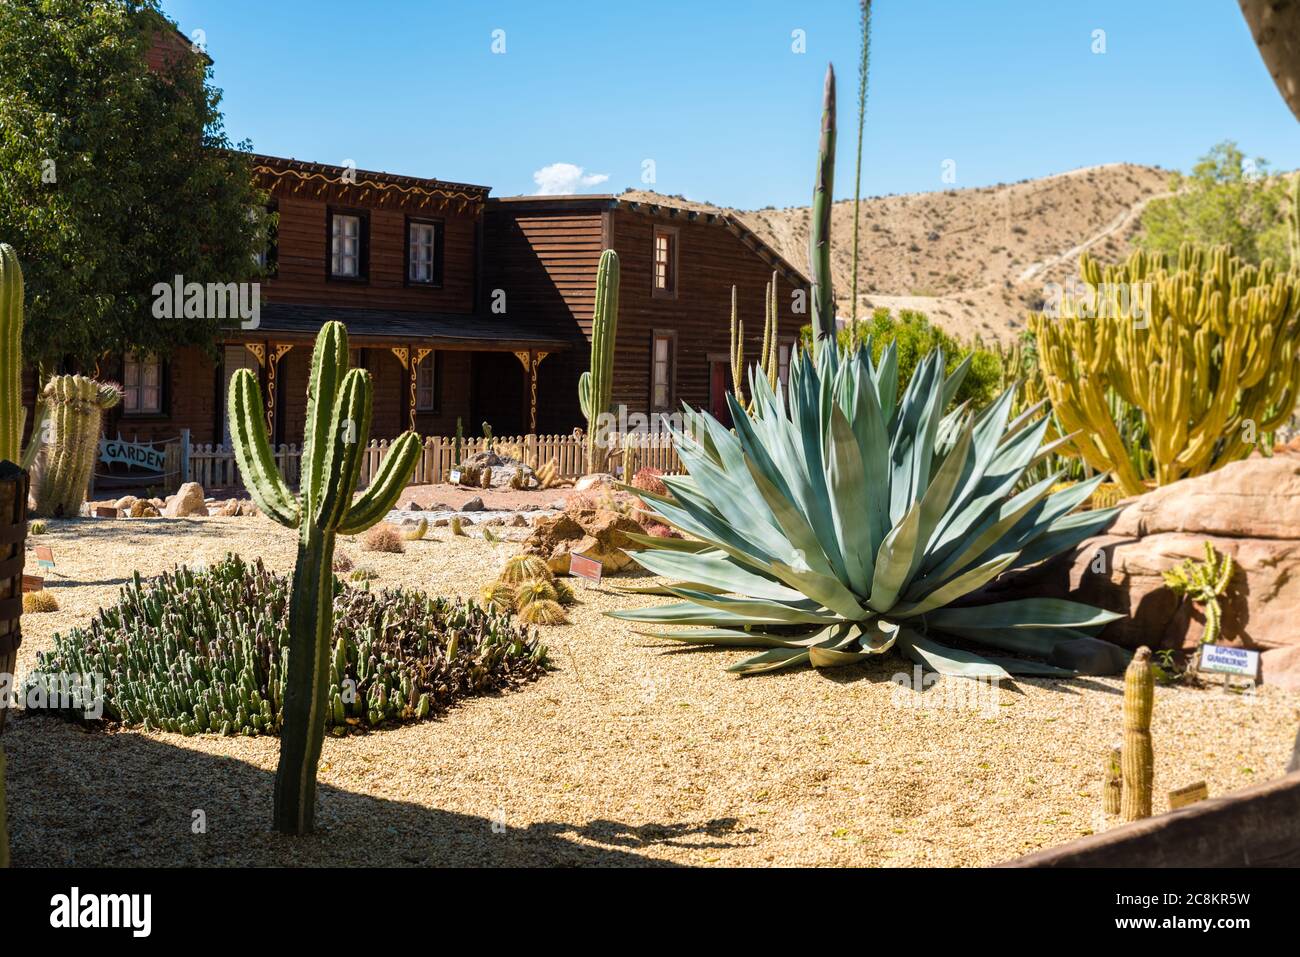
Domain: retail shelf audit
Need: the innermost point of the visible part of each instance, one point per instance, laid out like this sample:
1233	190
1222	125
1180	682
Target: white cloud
560	179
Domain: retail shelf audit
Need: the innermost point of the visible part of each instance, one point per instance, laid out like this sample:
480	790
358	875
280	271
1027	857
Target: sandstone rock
1249	510
596	533
518	520
495	520
413	506
188	501
124	503
141	508
230	508
473	505
595	480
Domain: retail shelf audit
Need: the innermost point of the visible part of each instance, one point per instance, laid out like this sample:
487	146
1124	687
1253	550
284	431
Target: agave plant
839	522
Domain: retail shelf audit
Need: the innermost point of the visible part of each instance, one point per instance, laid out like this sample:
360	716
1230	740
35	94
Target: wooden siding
303	250
710	259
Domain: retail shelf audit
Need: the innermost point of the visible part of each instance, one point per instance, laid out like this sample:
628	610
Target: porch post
273	356
530	361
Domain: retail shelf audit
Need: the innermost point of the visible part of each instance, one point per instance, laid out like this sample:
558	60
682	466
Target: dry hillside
974	260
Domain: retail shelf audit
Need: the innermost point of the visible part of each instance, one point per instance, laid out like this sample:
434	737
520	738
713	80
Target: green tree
114	177
1226	199
915	337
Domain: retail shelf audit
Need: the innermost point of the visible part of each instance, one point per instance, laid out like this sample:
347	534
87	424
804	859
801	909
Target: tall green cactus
596	387
13	415
819	238
76	406
768	351
737	352
338	424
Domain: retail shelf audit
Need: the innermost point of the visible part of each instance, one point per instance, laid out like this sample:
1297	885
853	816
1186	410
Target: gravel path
630	753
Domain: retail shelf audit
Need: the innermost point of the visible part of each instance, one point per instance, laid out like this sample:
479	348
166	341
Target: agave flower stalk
841	521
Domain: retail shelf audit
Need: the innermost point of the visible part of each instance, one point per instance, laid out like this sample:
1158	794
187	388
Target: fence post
185	456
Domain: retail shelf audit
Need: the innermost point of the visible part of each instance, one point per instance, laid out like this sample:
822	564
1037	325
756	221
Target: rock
141	508
1249	510
124	503
157	502
487	459
187	501
593	481
559	505
495	520
230	508
596	533
413	506
441	522
1281	667
440	507
473	505
518	520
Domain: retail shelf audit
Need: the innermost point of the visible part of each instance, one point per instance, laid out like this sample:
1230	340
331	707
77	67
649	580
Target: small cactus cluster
39	602
527	587
548	476
1204	582
457	525
176	657
37	526
76	406
415	531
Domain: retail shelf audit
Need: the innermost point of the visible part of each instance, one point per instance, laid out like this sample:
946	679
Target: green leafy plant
842	523
338	424
174	657
1204	582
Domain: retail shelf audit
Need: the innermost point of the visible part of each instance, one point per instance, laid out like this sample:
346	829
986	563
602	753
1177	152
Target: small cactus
564	592
1137	757
522	568
1114	782
76	407
543	613
383	538
536	590
1204	582
548	476
497	596
457	525
39	602
36	526
416	531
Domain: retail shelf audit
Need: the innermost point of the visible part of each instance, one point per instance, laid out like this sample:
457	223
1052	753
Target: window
423	253
665	262
426	384
348	236
661	371
783	364
142	385
265	258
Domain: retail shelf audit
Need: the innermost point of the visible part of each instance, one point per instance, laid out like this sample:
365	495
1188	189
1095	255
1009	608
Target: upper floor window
142	384
665	262
423	252
661	371
348	245
426	394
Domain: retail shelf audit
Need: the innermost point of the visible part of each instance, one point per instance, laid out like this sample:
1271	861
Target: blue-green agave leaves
838	521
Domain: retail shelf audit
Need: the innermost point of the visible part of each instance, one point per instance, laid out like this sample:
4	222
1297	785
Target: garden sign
138	455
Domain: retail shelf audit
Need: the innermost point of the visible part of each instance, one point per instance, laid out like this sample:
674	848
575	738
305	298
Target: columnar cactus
1213	368
1113	786
767	357
76	405
338	424
596	387
1137	757
13	415
1293	224
737	352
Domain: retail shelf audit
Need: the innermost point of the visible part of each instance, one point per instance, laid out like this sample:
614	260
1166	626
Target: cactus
39	602
497	596
76	406
596	387
737	352
456	525
460	438
416	531
522	568
1136	755
487	435
1293	224
548	475
819	238
13	414
1211	371
539	589
543	612
1204	582
1113	785
173	655
338	424
769	361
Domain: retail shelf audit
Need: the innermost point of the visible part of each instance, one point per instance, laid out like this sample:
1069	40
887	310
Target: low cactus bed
207	651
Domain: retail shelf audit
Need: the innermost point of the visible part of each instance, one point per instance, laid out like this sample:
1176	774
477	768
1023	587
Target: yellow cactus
1113	787
1204	582
1136	755
1207	349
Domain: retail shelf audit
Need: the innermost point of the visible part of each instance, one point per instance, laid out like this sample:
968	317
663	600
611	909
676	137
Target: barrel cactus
338	424
76	405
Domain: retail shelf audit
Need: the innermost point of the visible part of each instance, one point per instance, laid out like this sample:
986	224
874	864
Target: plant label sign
33	583
44	556
1230	661
105	511
581	566
454	477
1181	797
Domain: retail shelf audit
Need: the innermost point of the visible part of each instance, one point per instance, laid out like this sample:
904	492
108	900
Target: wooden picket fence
213	466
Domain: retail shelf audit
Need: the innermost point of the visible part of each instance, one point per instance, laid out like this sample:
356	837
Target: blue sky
712	92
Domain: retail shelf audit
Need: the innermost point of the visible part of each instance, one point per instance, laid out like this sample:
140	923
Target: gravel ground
632	752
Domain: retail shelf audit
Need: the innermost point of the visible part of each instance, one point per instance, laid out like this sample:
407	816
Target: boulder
1249	510
473	505
413	506
141	508
230	508
187	501
124	503
596	533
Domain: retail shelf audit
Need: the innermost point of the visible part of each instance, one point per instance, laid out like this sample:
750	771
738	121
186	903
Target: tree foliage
915	338
114	177
1227	198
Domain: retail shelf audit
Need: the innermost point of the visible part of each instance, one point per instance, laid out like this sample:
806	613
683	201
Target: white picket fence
213	466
